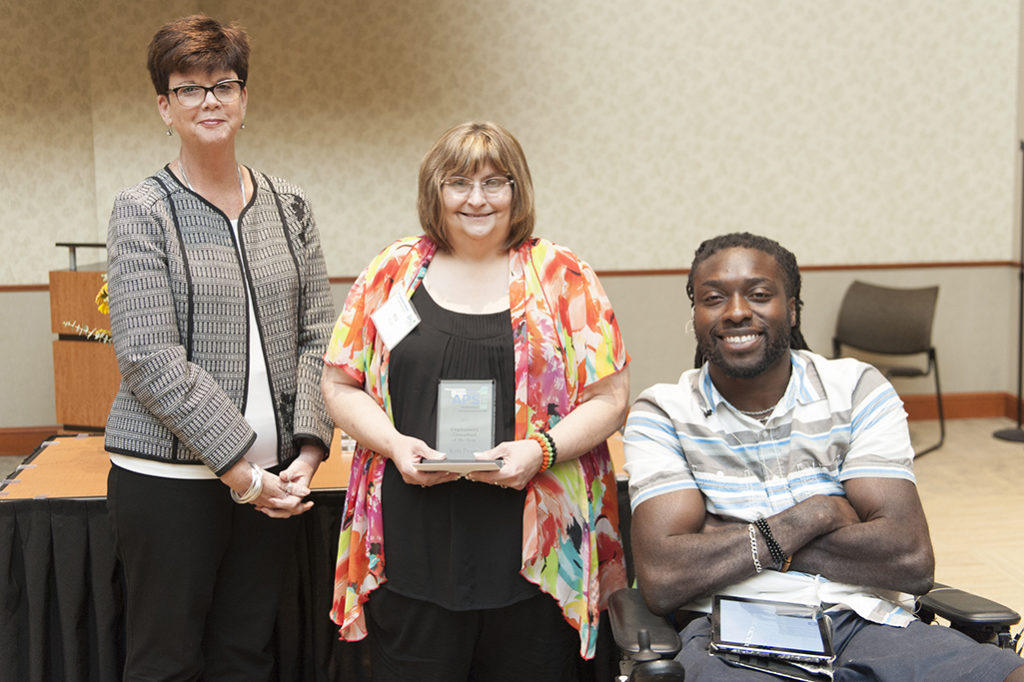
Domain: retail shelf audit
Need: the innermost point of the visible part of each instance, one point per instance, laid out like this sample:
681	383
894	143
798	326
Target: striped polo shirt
838	420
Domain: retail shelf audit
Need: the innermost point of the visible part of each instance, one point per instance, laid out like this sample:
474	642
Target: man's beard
776	345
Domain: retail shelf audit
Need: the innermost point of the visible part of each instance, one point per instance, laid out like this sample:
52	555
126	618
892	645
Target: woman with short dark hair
220	312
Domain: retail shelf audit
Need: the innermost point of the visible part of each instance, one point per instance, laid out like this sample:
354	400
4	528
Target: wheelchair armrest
965	609
629	616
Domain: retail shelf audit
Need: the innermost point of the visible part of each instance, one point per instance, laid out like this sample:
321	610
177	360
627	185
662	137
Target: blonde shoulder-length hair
463	150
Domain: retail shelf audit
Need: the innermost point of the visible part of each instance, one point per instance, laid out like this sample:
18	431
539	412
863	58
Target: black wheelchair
647	644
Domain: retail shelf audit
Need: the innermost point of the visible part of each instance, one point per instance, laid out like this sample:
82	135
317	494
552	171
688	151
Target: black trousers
202	576
417	641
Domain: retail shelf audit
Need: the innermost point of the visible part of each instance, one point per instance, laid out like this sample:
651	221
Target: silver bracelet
752	532
255	487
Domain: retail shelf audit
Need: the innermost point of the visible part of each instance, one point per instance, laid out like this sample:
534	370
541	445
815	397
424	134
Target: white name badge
395	319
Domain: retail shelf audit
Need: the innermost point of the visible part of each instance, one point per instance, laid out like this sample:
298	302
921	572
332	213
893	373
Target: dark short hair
197	43
463	150
783	257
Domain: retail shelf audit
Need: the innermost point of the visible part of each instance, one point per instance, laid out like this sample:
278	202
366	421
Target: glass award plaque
465	425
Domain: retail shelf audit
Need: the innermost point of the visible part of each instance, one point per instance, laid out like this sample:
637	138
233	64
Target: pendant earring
169	133
243	125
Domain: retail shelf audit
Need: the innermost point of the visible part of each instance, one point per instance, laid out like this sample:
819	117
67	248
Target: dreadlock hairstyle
785	259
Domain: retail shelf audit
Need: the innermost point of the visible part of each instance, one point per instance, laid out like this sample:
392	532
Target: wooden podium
85	375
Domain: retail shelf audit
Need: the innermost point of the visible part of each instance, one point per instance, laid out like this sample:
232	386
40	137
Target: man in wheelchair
770	472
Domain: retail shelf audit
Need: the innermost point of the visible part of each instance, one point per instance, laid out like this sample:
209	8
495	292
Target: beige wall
26	366
867	131
854	132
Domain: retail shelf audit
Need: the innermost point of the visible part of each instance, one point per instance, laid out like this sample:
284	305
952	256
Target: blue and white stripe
839	419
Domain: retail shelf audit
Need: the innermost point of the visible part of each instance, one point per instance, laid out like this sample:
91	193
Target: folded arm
682	553
889	547
875	536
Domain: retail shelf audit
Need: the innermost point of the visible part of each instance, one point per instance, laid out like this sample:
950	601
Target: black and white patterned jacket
179	317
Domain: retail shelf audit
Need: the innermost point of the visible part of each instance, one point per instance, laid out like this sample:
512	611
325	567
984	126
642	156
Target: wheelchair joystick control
645	653
649	666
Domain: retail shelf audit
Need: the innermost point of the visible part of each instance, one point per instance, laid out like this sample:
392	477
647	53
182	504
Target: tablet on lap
769	629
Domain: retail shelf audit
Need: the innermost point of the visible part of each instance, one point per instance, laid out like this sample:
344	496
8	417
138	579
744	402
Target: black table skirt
61	603
62	606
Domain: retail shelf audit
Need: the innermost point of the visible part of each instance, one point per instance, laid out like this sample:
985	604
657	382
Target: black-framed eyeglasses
463	187
192	95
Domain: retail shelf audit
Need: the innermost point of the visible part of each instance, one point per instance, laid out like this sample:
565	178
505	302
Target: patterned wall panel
857	132
46	173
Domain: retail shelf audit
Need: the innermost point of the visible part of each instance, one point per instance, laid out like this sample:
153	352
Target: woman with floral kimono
460	574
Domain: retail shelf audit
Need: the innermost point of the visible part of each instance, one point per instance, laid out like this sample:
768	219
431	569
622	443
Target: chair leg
938	397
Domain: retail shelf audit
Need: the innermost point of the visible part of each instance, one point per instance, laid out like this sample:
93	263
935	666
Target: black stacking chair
892	322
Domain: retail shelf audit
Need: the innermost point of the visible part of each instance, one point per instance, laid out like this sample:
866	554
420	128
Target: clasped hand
282	495
287	492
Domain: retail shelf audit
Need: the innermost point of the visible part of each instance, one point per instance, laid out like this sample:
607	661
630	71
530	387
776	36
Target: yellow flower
102	304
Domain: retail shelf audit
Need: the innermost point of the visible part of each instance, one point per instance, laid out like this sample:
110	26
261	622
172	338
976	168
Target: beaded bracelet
551	443
774	548
549	451
547	457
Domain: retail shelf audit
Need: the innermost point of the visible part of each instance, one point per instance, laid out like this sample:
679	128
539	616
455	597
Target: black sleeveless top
457	544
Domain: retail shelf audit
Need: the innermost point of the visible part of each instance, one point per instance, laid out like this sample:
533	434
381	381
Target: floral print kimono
565	337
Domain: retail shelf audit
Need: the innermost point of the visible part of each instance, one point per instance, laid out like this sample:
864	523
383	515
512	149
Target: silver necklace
757	413
238	169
